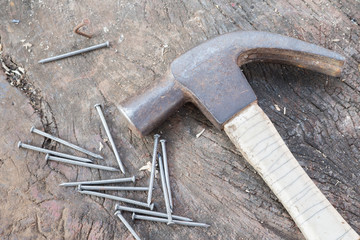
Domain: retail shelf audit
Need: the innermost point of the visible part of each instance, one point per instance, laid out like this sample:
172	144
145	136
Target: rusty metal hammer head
209	76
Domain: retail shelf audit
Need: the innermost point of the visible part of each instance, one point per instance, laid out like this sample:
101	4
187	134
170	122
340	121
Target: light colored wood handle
257	139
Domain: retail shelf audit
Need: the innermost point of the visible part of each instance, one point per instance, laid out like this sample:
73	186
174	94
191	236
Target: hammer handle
259	142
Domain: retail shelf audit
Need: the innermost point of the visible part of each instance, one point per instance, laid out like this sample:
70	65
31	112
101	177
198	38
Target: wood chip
101	146
277	107
200	133
284	110
27	45
146	167
22	70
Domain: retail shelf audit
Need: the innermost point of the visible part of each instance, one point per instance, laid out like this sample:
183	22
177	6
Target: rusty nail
77	28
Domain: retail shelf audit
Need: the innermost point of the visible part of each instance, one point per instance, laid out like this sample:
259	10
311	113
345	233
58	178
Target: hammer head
209	76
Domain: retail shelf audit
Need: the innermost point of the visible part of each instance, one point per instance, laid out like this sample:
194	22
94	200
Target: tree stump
316	115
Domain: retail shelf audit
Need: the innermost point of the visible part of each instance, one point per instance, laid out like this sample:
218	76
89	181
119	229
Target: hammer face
150	108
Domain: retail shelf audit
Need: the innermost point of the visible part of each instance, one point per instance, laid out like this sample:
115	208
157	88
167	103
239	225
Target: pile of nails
71	159
91	187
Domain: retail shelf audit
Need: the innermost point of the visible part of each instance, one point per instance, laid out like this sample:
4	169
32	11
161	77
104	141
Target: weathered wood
261	145
210	180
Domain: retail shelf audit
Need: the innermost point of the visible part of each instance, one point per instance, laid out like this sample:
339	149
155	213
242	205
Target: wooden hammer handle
256	137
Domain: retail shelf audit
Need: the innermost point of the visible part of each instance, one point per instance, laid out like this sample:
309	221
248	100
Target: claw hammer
209	76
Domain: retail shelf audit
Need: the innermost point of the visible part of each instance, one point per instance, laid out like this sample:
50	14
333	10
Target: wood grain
210	180
257	139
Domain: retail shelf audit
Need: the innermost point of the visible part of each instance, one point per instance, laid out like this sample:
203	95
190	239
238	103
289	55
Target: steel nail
153	164
127	225
114	188
90	165
165	191
43	150
106	181
44	134
164	220
152	213
166	168
69	54
116	198
98	108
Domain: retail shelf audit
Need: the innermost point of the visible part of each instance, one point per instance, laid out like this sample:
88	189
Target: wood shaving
277	107
101	146
27	45
22	70
146	167
200	133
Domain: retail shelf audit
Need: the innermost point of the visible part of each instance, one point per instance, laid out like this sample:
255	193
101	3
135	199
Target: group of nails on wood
91	187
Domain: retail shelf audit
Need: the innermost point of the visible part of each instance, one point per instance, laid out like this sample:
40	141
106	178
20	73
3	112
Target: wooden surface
211	181
260	144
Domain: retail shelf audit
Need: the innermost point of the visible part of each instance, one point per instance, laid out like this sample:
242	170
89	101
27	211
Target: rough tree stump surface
211	181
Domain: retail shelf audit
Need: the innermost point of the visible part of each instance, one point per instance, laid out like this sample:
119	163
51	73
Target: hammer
209	76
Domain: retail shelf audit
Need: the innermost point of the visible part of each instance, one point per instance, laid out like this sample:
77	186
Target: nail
90	165
116	198
163	183
43	150
69	54
114	188
77	28
164	220
127	225
166	168
106	181
147	212
44	134
153	164
98	108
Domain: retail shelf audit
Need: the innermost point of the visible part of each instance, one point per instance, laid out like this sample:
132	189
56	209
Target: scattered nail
153	164
113	188
148	212
116	198
127	225
164	188
44	134
90	165
98	108
106	181
70	54
164	220
43	150
166	168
